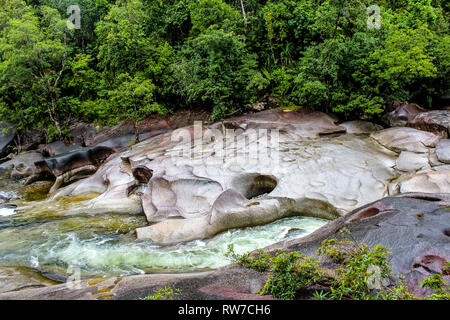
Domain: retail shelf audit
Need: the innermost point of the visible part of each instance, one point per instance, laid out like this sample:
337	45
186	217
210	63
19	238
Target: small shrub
165	293
259	263
292	271
436	283
356	265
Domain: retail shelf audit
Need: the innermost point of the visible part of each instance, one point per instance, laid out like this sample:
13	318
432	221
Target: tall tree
34	56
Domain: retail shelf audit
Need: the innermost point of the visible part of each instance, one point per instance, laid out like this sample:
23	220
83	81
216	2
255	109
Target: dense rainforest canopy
131	58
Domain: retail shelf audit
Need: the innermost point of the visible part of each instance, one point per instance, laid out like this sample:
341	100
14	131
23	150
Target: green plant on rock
355	272
290	272
436	283
165	293
358	272
260	262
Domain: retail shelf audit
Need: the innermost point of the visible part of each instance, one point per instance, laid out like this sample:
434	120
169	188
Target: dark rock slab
58	148
7	134
20	278
436	121
69	161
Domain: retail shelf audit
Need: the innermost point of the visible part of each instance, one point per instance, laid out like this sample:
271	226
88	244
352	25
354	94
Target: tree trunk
244	14
53	117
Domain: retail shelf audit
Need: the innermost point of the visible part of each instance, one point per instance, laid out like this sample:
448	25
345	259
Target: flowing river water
45	238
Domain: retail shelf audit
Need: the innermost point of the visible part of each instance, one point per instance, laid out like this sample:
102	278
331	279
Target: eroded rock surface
360	127
414	227
436	121
204	182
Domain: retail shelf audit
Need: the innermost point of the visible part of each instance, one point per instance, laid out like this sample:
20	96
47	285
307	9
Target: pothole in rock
254	185
447	232
365	214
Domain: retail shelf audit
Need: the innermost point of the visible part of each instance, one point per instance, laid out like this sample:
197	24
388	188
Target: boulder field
195	182
200	180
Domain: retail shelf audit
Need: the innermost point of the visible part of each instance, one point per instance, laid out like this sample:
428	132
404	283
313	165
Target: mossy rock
37	191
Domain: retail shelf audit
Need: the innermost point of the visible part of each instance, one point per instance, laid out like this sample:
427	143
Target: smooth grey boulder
411	161
406	139
428	182
232	210
443	150
436	121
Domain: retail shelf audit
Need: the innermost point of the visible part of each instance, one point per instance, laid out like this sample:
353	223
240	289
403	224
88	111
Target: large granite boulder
428	182
411	161
406	139
402	114
436	121
305	123
410	115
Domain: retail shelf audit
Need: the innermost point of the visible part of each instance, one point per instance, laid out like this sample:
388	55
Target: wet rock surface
13	279
23	165
414	227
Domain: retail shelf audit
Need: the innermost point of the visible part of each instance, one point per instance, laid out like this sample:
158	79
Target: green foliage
207	14
359	272
259	263
133	99
436	283
122	42
213	69
291	272
33	59
219	55
165	293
